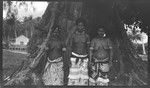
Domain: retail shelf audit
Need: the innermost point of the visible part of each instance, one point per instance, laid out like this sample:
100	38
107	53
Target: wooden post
42	49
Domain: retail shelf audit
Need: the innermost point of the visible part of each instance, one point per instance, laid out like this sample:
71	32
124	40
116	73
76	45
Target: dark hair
80	20
60	31
100	26
55	27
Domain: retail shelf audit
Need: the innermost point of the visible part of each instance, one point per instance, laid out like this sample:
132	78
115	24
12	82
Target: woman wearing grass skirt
53	72
78	72
101	59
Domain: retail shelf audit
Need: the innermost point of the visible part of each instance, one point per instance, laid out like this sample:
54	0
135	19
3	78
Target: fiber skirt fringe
78	72
53	74
96	74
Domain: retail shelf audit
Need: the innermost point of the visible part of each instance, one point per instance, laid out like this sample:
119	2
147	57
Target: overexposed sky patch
37	9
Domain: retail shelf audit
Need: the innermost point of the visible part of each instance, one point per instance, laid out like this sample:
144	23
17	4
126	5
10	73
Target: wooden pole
43	46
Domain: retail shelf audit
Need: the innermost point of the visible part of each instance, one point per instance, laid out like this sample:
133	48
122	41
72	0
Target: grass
11	61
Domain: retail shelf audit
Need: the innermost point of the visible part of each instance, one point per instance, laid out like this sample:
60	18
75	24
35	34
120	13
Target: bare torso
55	50
101	49
79	45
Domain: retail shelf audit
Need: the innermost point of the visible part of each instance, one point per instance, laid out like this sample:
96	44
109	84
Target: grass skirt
53	74
78	72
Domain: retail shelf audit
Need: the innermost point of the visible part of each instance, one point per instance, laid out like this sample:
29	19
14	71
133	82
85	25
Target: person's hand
64	49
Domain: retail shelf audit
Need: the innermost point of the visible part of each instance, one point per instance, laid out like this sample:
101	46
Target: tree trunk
131	60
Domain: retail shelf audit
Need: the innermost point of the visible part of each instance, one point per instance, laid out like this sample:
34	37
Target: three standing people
78	72
97	55
53	72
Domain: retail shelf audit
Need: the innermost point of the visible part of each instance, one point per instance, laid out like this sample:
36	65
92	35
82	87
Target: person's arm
91	50
111	51
88	43
71	39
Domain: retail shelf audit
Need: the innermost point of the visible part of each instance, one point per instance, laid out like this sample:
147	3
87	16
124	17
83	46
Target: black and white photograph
90	43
